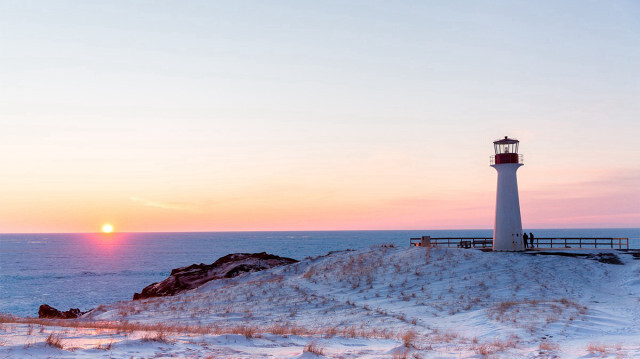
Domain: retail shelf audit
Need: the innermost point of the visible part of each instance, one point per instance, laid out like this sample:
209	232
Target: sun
107	228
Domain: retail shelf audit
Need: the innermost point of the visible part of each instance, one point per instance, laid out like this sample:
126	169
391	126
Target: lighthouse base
511	243
507	230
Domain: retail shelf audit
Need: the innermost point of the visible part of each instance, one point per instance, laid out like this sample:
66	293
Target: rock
608	258
47	311
195	275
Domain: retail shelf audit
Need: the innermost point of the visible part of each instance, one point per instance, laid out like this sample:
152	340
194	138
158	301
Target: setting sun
107	228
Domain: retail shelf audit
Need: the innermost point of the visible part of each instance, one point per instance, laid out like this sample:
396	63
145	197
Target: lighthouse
507	229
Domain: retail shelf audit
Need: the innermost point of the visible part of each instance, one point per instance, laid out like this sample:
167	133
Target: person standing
531	239
524	239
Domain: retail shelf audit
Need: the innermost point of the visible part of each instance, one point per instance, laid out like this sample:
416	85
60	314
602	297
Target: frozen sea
85	270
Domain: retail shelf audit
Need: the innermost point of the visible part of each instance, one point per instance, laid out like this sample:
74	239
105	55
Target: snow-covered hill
379	302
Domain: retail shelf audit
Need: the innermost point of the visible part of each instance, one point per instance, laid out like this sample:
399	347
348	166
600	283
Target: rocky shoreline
195	275
49	312
190	277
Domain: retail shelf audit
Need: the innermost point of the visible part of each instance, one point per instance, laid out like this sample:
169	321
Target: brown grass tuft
54	340
248	331
159	337
402	354
408	338
212	329
314	348
594	348
101	346
548	346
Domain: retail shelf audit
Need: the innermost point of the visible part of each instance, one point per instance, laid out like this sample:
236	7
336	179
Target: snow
372	303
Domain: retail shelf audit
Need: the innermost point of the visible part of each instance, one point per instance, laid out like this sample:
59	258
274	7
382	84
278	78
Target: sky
315	115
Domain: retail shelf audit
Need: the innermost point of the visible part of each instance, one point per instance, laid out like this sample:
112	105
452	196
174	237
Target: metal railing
456	242
567	243
543	243
492	159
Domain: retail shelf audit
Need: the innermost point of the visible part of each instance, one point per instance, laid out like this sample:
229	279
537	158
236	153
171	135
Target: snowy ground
380	302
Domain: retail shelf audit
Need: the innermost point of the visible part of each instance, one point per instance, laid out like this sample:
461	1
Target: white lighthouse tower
507	229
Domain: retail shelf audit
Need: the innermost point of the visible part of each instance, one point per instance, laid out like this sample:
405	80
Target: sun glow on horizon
107	228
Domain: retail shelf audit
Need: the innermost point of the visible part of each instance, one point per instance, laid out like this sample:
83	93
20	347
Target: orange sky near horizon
395	201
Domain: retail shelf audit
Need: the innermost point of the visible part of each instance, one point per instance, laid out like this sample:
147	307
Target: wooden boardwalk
538	243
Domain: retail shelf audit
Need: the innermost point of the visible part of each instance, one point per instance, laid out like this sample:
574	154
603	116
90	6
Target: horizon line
315	230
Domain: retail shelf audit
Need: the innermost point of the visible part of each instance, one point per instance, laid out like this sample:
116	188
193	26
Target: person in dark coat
525	237
531	239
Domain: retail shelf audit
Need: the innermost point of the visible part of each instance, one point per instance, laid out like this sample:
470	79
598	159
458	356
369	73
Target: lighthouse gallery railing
492	159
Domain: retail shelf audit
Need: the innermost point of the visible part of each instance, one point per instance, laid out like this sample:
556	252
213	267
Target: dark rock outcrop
608	258
195	275
47	311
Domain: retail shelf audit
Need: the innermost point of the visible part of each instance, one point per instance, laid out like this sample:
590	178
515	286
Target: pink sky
316	116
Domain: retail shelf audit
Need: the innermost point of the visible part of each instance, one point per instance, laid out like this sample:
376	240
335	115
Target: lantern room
506	150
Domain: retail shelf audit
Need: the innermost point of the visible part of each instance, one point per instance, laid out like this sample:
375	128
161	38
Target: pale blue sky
176	100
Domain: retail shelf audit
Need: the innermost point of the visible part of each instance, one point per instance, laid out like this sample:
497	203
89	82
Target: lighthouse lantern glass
506	148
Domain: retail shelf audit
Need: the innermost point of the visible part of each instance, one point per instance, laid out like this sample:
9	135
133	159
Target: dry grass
484	349
594	348
352	270
402	353
119	326
246	330
54	340
496	346
548	346
408	338
158	337
547	311
29	343
446	337
107	346
292	329
314	348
